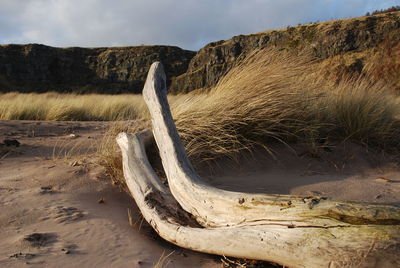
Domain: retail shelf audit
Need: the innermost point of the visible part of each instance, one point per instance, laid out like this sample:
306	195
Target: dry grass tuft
108	151
275	97
164	260
258	101
270	96
360	110
66	107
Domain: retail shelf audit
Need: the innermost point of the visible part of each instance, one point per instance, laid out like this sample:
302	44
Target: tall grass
258	101
273	96
55	106
74	107
360	110
108	150
277	97
270	96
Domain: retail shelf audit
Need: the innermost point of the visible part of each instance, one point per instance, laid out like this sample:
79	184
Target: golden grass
275	97
259	100
73	107
164	260
108	150
65	107
283	97
271	96
360	110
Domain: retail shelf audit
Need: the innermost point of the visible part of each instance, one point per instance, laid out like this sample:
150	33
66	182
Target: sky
189	24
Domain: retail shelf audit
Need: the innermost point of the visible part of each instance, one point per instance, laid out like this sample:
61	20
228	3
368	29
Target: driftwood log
289	230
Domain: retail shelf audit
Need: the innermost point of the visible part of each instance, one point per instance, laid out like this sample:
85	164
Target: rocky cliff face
325	40
344	45
39	68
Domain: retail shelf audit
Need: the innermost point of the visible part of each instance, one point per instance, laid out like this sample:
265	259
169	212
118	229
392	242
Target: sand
342	171
59	209
48	186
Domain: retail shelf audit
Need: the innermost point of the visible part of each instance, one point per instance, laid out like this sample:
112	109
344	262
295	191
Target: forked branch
290	230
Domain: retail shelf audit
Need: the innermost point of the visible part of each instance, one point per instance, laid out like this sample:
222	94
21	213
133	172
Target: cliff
39	68
361	44
369	44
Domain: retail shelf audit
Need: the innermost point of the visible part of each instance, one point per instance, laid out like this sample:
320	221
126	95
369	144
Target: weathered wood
290	230
216	207
351	246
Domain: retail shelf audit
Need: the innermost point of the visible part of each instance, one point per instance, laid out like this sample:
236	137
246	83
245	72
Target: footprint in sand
23	256
46	190
39	239
35	242
67	214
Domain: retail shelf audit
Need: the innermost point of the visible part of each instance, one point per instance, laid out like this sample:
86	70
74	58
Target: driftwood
289	230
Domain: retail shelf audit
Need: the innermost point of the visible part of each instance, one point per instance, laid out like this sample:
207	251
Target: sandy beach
59	209
51	186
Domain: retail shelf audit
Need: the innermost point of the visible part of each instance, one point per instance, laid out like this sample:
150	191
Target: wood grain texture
290	230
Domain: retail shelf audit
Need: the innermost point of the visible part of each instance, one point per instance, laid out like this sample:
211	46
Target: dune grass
74	107
270	96
283	97
275	97
65	107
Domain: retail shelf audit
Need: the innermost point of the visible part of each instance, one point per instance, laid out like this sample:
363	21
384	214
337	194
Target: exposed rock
325	40
40	68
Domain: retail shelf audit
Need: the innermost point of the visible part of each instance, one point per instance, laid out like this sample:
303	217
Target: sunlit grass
275	97
269	97
66	107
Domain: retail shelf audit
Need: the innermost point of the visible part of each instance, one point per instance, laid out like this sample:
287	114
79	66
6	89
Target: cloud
186	23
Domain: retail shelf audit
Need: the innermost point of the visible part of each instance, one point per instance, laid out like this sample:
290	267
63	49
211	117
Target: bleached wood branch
290	230
210	204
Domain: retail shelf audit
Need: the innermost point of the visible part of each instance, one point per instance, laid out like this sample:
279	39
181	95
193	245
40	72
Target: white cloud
186	23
